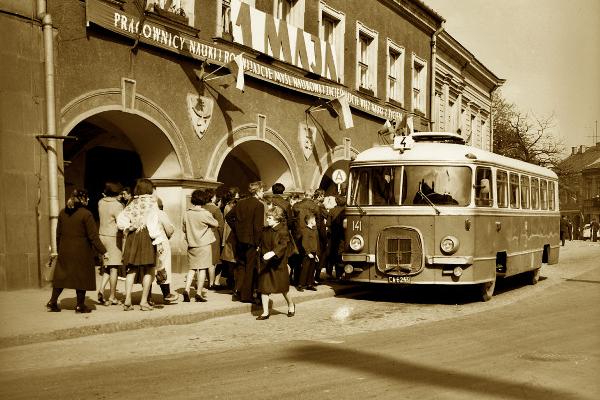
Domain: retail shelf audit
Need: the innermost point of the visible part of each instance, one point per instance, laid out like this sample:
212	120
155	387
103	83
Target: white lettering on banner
282	41
188	45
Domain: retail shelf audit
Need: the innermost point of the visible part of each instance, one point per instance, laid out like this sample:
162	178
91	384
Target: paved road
537	342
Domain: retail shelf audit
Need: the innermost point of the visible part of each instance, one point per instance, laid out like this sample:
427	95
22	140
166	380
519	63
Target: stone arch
111	100
248	133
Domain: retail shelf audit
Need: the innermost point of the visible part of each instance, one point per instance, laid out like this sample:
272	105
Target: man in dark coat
247	219
278	200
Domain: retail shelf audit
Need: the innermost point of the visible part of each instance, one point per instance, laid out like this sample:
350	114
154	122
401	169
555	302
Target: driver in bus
383	192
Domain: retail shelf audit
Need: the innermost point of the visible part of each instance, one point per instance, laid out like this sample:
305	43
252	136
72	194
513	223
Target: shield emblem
306	138
200	110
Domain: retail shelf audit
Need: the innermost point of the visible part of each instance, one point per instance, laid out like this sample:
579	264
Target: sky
547	50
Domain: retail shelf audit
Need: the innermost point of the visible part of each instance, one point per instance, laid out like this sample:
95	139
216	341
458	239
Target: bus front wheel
487	290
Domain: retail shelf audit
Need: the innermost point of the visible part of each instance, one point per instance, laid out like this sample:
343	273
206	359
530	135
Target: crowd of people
259	244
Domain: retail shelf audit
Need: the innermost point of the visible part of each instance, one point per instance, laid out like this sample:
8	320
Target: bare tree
524	137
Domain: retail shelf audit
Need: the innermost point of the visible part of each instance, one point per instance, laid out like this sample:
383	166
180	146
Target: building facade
579	186
462	93
114	90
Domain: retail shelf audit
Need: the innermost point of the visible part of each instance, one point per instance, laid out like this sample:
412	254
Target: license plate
398	279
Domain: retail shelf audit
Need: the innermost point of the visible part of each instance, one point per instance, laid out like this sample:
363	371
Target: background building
579	188
150	89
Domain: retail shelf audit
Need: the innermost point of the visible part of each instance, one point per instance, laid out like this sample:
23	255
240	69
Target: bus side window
551	195
483	187
502	188
535	193
544	194
514	190
524	191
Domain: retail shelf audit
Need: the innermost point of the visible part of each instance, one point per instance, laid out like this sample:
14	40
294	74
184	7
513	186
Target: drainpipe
433	57
51	144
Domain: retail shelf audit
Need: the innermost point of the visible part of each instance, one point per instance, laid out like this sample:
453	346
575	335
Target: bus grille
399	251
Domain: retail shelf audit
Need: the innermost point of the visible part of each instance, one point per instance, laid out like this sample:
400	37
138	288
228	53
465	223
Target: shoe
100	298
200	299
52	307
292	313
146	307
262	317
171	298
186	297
127	307
112	302
235	296
150	303
300	288
82	310
314	289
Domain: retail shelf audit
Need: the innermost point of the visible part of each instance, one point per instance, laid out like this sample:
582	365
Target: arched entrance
254	160
116	146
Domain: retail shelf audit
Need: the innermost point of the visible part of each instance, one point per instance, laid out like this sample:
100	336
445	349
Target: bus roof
428	151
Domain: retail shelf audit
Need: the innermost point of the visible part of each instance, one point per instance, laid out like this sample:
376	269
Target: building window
395	72
332	28
224	27
290	11
180	9
366	59
419	83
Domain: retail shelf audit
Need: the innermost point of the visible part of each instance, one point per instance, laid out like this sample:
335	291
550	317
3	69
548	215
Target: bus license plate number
398	279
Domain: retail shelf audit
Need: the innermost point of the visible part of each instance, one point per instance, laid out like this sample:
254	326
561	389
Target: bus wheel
487	290
534	276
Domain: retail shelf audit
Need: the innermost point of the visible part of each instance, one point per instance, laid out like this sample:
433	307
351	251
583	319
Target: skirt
200	257
115	255
138	249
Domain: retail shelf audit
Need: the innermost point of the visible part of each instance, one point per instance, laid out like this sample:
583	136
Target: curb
151	322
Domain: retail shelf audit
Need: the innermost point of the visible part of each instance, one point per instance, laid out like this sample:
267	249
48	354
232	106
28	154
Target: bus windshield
411	185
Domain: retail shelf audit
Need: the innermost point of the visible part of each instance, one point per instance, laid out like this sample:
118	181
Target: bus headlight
357	243
449	245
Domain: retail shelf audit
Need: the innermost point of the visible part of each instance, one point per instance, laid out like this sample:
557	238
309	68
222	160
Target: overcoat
217	231
78	242
274	276
246	219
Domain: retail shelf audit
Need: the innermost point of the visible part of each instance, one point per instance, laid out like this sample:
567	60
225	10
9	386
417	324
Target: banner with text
152	32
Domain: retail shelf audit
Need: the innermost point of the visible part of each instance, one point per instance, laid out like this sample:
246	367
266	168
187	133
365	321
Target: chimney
573	150
582	149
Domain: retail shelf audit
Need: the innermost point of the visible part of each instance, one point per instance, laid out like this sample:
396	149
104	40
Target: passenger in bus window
383	193
482	193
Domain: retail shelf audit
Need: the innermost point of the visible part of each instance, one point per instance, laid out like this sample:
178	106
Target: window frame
514	190
502	184
363	30
525	192
392	47
535	194
339	34
295	15
421	87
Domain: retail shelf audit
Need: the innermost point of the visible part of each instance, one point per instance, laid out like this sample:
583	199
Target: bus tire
534	276
487	290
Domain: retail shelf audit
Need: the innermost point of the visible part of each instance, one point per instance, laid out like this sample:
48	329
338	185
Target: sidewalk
25	319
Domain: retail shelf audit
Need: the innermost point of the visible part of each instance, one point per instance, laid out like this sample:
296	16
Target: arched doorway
116	146
254	160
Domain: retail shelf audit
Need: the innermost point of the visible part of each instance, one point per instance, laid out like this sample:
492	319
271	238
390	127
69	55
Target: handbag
48	273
